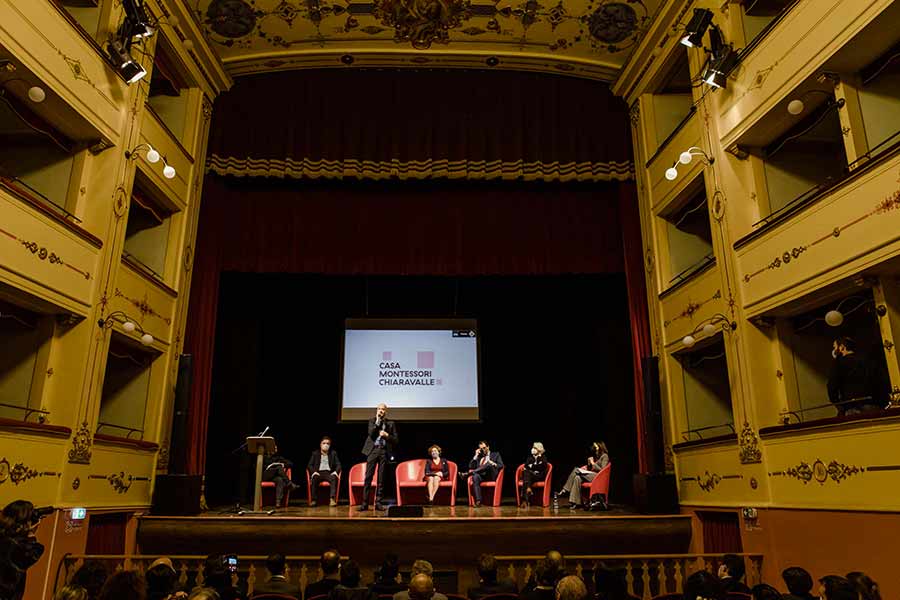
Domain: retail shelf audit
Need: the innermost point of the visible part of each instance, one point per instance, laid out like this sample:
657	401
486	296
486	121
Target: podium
260	446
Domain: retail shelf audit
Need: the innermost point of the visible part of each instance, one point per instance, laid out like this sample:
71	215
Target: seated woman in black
436	470
535	470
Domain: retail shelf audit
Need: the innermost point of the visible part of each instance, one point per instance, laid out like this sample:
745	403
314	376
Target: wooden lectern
260	446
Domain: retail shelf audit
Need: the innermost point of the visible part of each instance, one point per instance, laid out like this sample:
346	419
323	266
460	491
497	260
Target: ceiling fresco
587	38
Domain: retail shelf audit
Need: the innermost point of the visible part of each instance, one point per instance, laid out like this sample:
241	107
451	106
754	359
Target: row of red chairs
410	477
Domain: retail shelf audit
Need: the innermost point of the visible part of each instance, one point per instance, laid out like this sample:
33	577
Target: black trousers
528	480
318	476
378	458
277	475
482	475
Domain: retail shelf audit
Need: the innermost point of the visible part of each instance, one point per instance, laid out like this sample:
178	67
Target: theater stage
445	535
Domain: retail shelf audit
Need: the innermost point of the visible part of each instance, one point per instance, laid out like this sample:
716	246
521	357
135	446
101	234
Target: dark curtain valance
420	125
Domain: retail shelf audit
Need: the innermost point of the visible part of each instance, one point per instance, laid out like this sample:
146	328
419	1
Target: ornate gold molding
42	253
20	472
143	306
162	459
888	204
693	307
748	442
120	482
709	481
80	452
820	472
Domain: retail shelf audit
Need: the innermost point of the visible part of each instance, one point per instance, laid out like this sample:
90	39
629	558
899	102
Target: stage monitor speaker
179	436
656	493
653	434
177	495
405	512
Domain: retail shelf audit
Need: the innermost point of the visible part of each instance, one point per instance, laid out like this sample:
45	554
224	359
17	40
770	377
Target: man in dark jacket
484	466
277	583
799	584
331	566
276	471
380	441
856	383
731	571
324	465
19	549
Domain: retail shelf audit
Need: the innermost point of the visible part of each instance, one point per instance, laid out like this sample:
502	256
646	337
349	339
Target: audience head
91	576
124	585
204	593
275	564
325	444
424	567
421	587
215	575
557	562
571	587
17	517
798	581
868	589
703	584
350	574
161	579
537	449
609	583
732	566
835	587
487	568
330	562
545	573
764	591
390	568
434	451
71	592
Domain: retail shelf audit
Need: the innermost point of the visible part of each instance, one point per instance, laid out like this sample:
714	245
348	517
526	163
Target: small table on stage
260	446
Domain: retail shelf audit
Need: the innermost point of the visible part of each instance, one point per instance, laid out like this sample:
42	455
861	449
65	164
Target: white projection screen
423	369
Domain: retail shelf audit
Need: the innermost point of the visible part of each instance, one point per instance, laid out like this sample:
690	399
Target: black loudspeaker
178	440
653	434
177	495
656	493
405	512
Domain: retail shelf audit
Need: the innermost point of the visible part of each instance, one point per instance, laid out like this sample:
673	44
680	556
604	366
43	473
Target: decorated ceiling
586	38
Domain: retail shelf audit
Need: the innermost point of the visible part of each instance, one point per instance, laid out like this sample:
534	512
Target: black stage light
131	70
693	33
135	14
720	66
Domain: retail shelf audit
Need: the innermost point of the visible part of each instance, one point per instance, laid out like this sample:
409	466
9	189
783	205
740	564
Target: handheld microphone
264	431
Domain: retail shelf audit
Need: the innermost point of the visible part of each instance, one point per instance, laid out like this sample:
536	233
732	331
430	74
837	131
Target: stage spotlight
719	67
136	19
693	33
131	70
36	94
834	318
169	171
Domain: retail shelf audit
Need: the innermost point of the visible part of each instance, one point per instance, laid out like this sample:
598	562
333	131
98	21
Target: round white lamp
688	341
685	157
36	94
671	173
795	107
146	339
152	155
169	172
834	318
709	329
128	326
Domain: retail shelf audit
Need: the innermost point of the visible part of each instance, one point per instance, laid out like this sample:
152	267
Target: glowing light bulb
169	171
36	94
834	318
152	155
709	329
671	173
188	44
795	107
173	20
128	326
685	157
146	339
688	341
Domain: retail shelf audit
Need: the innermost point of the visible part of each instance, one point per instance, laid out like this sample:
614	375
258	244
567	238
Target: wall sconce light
796	106
708	327
685	158
153	156
835	318
35	92
129	325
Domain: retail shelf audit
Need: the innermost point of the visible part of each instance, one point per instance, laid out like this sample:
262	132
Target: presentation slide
424	370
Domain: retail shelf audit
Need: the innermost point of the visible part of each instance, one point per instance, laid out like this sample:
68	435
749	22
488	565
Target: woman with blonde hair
71	592
436	470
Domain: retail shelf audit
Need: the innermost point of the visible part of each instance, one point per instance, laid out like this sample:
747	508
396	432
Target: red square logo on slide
386	355
425	360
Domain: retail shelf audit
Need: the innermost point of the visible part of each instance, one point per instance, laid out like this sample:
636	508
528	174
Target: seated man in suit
420	567
545	580
324	465
490	584
731	571
331	566
277	583
349	588
386	583
484	466
276	470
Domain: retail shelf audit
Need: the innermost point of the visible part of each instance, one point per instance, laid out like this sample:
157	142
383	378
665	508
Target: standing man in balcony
380	442
856	383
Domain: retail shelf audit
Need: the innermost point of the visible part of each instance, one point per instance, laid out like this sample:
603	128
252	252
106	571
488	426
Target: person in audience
324	465
349	588
535	470
610	583
489	582
571	587
420	567
764	591
799	584
731	572
703	585
275	471
855	377
484	466
19	547
277	583
91	575
204	594
598	458
437	470
218	577
386	577
557	564
545	576
421	587
331	565
868	589
835	587
71	592
162	581
124	585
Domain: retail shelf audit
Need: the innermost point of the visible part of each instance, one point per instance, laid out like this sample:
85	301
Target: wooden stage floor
461	511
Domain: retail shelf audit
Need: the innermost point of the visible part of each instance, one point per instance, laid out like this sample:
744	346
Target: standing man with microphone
380	441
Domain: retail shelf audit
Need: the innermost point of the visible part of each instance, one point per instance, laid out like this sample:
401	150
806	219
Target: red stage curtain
407	124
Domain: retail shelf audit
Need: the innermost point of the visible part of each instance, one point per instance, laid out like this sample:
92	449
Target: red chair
599	485
324	483
546	484
268	491
497	484
411	475
355	483
320	596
